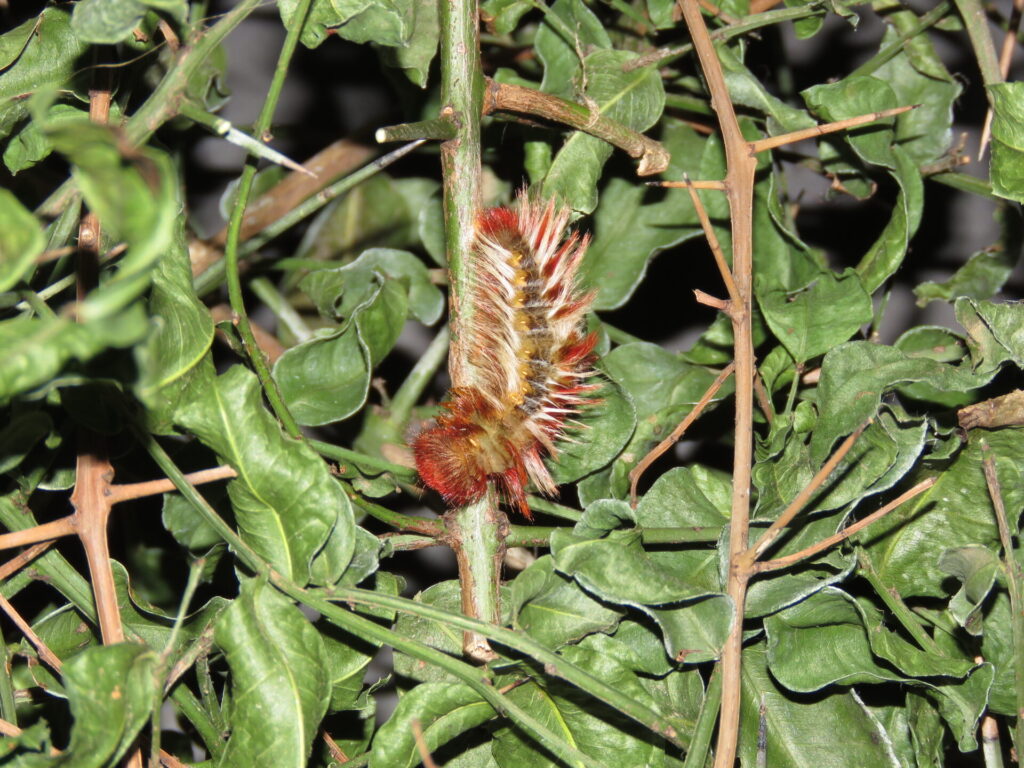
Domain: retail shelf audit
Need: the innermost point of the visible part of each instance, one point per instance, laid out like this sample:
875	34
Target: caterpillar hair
530	360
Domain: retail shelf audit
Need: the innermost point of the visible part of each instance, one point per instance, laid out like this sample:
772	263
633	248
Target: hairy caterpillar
530	359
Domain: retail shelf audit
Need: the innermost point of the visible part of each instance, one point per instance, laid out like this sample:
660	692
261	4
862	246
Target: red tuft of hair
530	360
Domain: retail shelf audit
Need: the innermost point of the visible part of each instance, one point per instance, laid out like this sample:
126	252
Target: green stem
618	335
338	453
896	46
704	731
477	679
422	525
284	312
187	703
976	22
554	664
895	604
7	707
548	507
408	394
213	276
234	230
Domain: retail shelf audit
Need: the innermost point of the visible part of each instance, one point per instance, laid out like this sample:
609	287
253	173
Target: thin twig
41	648
124	492
712	238
421	744
821	546
1013	584
337	753
1005	57
791	511
22	559
56	529
823	130
668	442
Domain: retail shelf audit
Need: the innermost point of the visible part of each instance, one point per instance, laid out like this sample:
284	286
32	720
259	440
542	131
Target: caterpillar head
447	458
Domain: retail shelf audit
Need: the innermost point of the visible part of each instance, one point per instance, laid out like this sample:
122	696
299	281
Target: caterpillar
529	355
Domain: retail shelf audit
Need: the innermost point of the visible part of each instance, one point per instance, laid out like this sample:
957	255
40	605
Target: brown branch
41	648
763	401
329	164
170	761
821	546
668	442
716	247
92	511
503	97
421	744
127	491
823	130
337	753
22	559
65	526
739	182
805	495
702	184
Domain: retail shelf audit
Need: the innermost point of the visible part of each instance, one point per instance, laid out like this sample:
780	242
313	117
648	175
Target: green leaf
831	639
30	144
745	90
414	58
338	292
1006	164
635	99
608	423
23	430
983	276
445	595
873	143
553	609
616	568
278	670
36	349
633	223
590	727
975	568
180	337
503	15
906	545
918	76
380	212
326	378
38	55
854	376
823	314
285	500
384	22
112	693
135	198
442	710
21	240
322	18
795	736
686	497
933	343
106	21
995	333
695	632
569	31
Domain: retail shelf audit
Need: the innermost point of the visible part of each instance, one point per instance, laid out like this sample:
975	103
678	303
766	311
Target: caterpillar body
530	360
